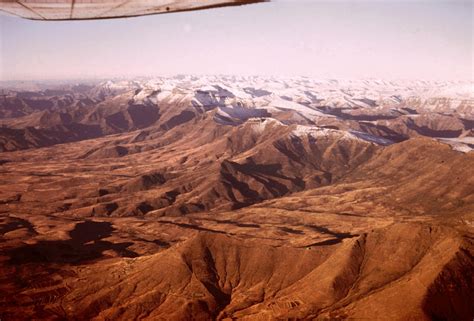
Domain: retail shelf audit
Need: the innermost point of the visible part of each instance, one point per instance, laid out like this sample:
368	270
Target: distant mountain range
372	109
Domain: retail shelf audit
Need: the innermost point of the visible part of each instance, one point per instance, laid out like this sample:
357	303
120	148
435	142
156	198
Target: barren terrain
198	198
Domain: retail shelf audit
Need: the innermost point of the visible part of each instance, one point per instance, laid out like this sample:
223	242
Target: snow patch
371	138
259	125
460	144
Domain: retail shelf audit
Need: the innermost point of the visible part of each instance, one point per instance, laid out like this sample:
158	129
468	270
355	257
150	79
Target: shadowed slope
213	276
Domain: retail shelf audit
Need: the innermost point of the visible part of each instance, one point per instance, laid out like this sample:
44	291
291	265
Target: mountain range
226	197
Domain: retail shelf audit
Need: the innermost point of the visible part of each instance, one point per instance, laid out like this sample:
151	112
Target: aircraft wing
103	9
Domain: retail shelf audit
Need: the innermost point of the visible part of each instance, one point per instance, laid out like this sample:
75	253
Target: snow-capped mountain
375	110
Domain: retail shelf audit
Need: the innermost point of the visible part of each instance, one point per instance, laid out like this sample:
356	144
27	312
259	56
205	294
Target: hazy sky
339	39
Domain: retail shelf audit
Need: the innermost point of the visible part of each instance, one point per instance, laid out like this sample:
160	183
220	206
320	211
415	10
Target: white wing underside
102	9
